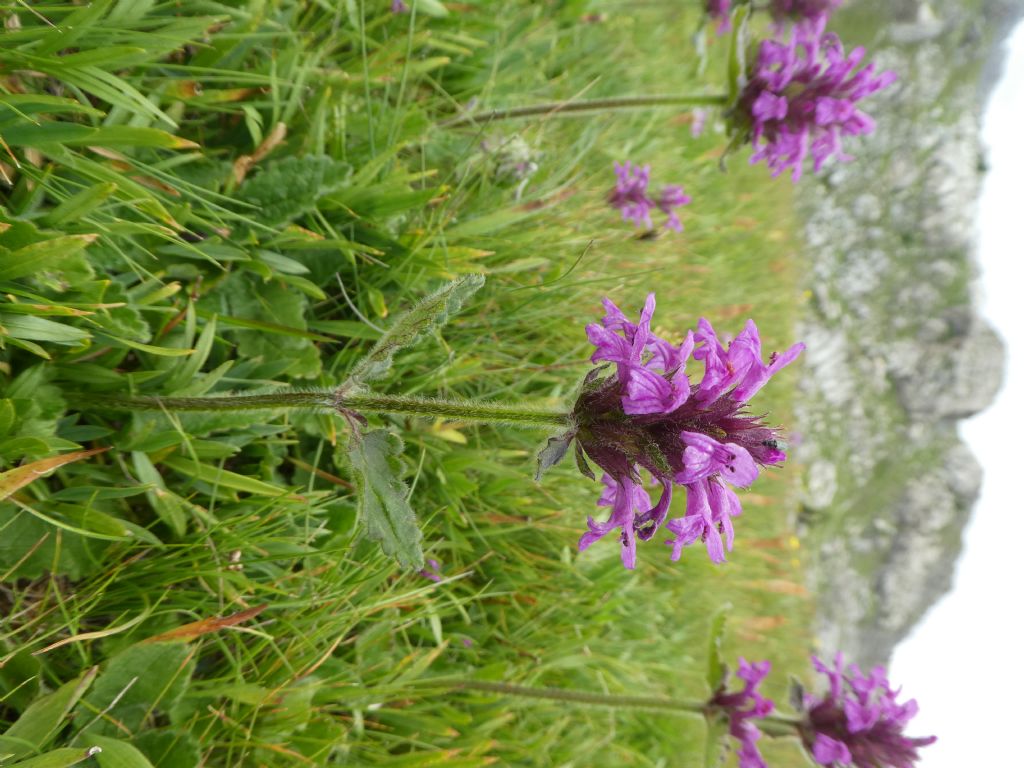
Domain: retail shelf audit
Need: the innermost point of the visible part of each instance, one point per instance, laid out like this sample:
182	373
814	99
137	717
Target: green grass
159	273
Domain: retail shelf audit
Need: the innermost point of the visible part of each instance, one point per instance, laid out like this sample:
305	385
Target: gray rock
896	353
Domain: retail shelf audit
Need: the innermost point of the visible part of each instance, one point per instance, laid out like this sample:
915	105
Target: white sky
962	664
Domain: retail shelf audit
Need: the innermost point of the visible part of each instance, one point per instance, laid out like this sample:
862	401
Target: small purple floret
648	417
799	10
745	706
631	197
399	6
858	722
800	98
432	571
719	10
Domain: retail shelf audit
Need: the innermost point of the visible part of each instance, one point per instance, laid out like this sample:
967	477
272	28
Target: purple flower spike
399	6
647	417
858	722
743	707
800	99
631	197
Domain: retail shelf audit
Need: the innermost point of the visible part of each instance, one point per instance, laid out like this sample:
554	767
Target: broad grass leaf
383	496
116	753
39	723
222	477
58	758
42	255
136	683
169	748
30	547
432	312
166	505
40	329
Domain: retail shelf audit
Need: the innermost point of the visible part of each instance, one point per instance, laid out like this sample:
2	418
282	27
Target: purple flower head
799	10
631	197
700	120
719	11
399	6
672	197
743	707
800	99
432	571
648	417
858	722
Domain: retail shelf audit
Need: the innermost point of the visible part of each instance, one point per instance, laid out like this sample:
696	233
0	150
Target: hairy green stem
776	726
489	413
586	697
559	108
214	403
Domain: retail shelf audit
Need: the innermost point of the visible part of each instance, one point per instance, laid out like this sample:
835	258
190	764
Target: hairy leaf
432	312
715	748
553	452
383	496
288	188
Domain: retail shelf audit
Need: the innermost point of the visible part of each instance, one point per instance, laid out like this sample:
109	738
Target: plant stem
586	697
775	726
489	413
560	108
313	399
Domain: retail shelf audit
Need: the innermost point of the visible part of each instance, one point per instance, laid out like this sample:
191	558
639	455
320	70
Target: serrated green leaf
33	731
716	744
382	496
287	188
717	668
432	312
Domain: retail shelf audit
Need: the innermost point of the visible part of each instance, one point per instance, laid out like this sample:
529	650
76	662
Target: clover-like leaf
383	496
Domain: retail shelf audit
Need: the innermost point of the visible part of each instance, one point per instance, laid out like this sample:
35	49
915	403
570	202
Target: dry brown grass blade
205	626
14	480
